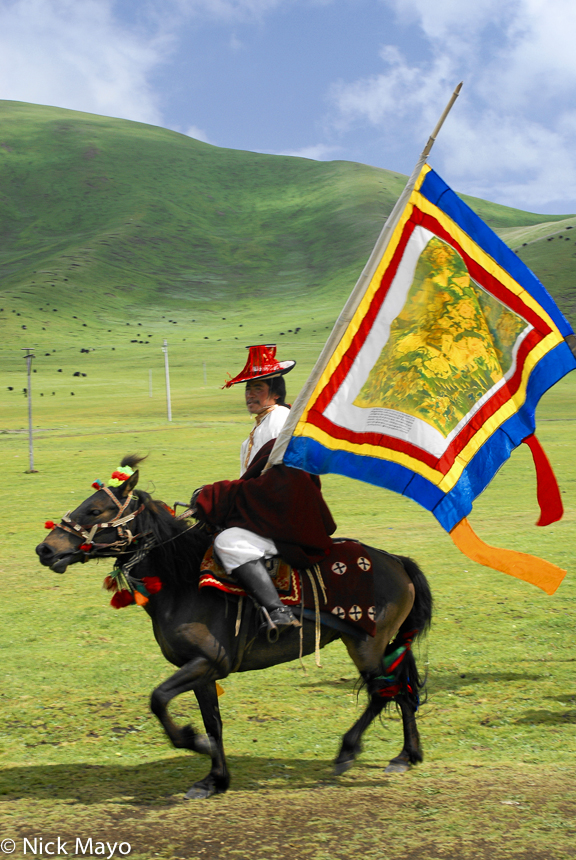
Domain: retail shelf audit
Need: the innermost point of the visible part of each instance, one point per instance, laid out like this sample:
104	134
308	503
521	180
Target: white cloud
317	152
402	92
496	157
235	43
227	10
439	18
512	134
98	57
197	133
75	54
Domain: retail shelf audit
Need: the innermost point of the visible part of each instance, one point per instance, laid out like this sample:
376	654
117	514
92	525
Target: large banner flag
433	377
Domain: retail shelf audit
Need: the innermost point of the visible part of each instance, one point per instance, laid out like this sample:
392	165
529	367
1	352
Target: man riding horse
266	513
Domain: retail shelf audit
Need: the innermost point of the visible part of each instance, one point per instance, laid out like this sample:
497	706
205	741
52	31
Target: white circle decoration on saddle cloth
372	613
341	613
364	563
355	613
339	567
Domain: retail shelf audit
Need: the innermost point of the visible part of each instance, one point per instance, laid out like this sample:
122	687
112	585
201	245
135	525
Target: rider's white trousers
235	547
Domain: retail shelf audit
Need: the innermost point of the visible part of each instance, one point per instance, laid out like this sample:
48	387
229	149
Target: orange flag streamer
531	569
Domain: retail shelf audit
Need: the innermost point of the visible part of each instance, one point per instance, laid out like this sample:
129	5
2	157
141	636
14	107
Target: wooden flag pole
440	123
279	449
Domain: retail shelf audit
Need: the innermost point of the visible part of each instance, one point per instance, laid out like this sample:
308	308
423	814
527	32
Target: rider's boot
254	577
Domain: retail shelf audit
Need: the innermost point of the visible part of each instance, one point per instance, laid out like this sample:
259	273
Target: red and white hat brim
283	367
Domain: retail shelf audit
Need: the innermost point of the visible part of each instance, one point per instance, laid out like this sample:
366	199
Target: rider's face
258	397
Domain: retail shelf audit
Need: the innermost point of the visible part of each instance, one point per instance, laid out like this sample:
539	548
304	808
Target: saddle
342	584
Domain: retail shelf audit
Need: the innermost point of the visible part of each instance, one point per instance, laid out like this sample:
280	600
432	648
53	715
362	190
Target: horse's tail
398	658
420	616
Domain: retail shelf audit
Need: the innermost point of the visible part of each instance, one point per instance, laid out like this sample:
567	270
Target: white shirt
263	432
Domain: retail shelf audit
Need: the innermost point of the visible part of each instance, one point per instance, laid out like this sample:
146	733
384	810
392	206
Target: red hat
261	364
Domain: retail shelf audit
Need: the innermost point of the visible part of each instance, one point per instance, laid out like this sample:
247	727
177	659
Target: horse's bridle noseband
125	536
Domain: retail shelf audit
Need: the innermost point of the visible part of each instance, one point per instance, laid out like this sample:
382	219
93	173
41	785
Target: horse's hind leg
367	657
351	747
411	751
218	780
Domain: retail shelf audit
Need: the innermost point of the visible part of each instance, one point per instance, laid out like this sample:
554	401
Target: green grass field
82	757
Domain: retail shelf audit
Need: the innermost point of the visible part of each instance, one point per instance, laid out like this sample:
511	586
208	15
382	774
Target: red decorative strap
547	491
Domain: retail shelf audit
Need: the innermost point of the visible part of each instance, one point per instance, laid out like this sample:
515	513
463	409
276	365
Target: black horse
197	633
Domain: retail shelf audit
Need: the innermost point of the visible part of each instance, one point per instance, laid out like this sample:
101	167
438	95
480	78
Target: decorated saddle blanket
342	583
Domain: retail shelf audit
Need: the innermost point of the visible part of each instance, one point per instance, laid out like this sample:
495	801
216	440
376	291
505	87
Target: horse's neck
155	563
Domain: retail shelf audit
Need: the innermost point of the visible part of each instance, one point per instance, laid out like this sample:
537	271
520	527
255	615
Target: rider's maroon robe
283	504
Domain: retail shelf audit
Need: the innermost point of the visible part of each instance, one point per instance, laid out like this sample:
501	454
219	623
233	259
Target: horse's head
96	528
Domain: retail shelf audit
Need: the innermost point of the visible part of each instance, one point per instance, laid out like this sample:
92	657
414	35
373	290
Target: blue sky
361	80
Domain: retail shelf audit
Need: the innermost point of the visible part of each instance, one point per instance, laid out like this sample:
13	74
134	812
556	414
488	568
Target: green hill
548	249
121	216
107	218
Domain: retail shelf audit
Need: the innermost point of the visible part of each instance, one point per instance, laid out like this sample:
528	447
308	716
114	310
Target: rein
125	536
127	588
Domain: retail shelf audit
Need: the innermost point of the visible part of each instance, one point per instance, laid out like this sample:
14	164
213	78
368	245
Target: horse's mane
132	460
181	547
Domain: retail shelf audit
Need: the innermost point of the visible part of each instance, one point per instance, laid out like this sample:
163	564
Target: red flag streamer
547	490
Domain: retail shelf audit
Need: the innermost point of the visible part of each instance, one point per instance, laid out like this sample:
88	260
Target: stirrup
272	632
284	617
278	620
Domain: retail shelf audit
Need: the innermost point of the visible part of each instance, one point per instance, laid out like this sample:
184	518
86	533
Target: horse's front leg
351	745
218	780
191	676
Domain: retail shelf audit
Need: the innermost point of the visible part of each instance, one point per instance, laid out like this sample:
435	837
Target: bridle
120	521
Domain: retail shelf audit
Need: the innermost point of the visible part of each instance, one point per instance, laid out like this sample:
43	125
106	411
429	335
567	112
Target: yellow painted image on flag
449	330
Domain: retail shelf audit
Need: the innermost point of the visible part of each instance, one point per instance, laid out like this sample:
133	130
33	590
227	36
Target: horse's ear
129	485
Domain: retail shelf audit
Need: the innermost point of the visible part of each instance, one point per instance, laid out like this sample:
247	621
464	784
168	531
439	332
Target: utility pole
167	370
29	356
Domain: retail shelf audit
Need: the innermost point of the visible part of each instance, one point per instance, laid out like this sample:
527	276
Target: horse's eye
94	512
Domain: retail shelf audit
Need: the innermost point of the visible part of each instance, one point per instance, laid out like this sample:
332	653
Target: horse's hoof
341	767
201	791
397	767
